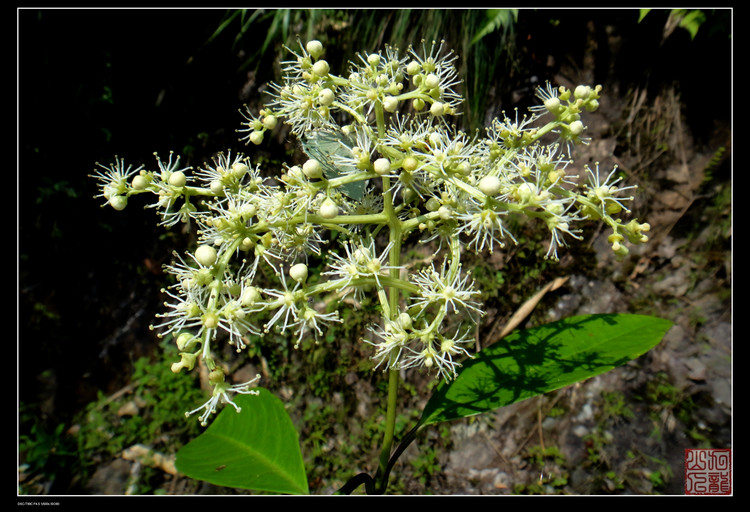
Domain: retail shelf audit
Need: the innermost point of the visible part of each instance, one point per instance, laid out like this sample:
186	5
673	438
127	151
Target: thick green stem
395	234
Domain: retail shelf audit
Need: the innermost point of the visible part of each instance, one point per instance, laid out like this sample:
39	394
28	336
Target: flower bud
185	341
526	191
239	169
298	272
256	137
552	104
269	122
582	92
312	169
437	109
445	212
432	204
326	97
576	128
321	68
118	202
328	209
431	81
390	104
177	179
187	361
205	255
314	48
216	376
382	166
413	68
404	319
250	296
409	164
217	187
490	185
140	182
373	59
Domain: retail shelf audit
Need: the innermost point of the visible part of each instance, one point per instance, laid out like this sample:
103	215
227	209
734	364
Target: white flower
393	339
483	225
311	320
559	223
438	352
448	289
113	179
606	192
222	393
285	302
441	66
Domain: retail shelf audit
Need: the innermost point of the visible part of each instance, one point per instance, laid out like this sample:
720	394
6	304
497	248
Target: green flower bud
526	191
187	361
216	376
404	319
185	341
432	204
552	104
250	296
582	92
239	169
445	212
217	187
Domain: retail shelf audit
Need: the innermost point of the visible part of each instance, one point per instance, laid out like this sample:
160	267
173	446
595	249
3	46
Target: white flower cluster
384	163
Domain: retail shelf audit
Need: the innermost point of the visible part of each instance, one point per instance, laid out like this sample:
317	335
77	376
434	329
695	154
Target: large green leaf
255	449
535	361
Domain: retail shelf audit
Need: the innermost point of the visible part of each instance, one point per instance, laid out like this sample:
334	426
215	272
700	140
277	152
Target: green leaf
496	19
692	20
256	449
323	145
535	361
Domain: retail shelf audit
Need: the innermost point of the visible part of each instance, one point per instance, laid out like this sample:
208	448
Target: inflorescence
383	159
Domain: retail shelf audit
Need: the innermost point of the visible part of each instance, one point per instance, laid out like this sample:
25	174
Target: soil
624	432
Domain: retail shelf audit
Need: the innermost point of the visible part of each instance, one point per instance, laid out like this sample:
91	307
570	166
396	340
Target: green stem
395	234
